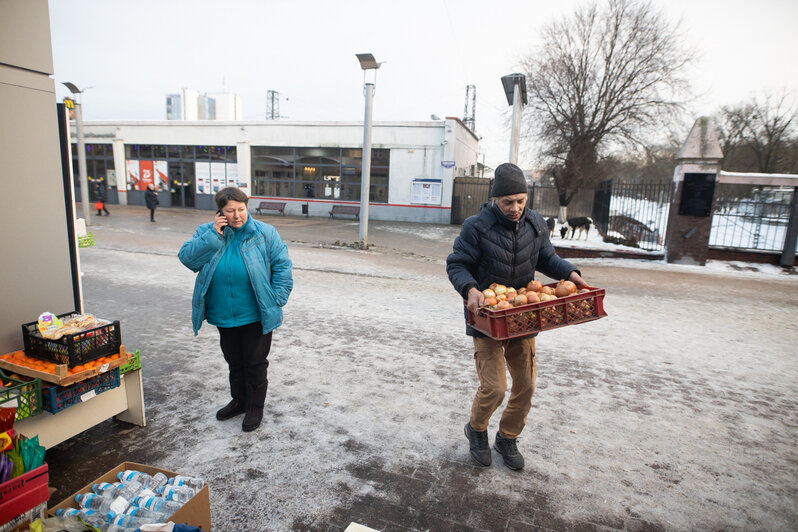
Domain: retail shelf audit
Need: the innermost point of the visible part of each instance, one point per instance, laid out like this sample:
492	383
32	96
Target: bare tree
759	135
602	77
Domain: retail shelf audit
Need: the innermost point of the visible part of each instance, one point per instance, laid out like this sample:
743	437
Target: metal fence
745	217
633	214
544	199
750	217
638	213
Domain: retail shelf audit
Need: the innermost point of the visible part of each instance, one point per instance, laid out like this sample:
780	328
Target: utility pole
367	62
84	182
515	91
470	107
272	105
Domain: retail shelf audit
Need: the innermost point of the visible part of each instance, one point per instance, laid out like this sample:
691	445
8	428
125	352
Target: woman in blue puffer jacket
243	281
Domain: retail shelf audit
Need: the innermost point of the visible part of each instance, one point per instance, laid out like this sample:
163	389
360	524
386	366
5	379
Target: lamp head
509	82
367	62
71	86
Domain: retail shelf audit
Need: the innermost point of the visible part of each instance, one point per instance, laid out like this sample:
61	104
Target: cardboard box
196	512
22	493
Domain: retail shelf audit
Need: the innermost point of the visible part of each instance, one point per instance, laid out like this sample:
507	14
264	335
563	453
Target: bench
271	206
352	210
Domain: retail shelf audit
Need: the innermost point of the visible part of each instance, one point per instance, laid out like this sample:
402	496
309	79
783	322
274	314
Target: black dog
550	223
581	224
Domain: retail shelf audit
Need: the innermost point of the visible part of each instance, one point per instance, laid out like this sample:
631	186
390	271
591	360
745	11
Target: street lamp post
515	90
367	62
84	182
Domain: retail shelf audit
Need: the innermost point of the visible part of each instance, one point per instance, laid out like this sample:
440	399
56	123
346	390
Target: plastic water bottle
117	528
130	521
129	489
158	504
153	515
192	482
176	493
97	519
67	512
153	482
104	487
92	501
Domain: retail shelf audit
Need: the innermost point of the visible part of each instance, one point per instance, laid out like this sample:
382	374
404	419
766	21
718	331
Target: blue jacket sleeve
197	252
552	264
281	267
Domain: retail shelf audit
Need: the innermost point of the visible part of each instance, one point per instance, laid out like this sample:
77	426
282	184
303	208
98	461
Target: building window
172	167
321	173
99	168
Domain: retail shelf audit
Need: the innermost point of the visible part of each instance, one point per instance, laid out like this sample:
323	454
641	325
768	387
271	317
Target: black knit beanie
508	180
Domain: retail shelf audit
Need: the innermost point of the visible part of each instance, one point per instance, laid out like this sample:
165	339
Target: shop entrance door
181	184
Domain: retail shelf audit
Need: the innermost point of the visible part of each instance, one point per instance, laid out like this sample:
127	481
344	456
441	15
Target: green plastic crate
25	395
86	241
133	365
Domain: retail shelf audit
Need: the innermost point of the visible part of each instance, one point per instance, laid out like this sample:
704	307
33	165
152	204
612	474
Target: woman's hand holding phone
219	222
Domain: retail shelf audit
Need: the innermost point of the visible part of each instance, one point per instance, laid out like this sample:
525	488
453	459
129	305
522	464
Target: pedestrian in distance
506	242
102	198
243	281
151	199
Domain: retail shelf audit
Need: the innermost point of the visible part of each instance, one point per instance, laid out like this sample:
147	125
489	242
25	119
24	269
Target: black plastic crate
57	398
73	349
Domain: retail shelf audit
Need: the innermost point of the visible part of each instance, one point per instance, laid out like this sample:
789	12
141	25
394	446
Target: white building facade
191	105
308	165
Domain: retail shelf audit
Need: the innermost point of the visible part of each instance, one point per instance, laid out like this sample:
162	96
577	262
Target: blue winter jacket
492	248
265	257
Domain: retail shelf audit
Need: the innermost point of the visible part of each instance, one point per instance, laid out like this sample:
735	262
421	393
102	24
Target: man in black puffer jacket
505	243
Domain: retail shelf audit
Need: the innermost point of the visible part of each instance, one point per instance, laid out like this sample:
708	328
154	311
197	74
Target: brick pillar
694	179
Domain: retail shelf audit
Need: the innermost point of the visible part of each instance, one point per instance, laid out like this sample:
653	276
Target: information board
426	191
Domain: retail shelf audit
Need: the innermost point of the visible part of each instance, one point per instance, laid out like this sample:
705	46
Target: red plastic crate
23	493
537	317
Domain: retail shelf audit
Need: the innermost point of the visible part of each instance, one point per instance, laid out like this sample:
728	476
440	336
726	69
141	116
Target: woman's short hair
230	194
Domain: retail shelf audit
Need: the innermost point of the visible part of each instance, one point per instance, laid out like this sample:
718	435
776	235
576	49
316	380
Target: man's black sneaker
478	445
231	409
509	450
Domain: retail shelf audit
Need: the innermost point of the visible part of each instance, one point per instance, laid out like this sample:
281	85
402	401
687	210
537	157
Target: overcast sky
134	53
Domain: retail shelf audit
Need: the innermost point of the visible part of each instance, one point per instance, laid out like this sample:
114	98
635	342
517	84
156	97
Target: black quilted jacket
492	248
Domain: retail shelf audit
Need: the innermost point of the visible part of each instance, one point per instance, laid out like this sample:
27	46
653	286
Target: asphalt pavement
676	412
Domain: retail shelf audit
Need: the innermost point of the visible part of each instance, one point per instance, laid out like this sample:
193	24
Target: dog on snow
580	223
550	224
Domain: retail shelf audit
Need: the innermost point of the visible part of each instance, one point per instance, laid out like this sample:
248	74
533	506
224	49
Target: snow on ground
678	408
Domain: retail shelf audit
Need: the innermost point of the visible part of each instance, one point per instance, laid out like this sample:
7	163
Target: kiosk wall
35	217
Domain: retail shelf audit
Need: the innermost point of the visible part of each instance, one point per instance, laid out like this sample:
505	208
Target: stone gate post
694	179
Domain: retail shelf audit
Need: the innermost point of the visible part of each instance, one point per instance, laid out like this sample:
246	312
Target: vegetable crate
73	349
86	241
22	493
133	365
537	317
57	398
25	396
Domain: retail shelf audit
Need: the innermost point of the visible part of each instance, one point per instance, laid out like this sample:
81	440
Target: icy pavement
677	411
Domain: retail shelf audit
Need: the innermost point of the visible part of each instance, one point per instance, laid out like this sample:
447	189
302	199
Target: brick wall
688	236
